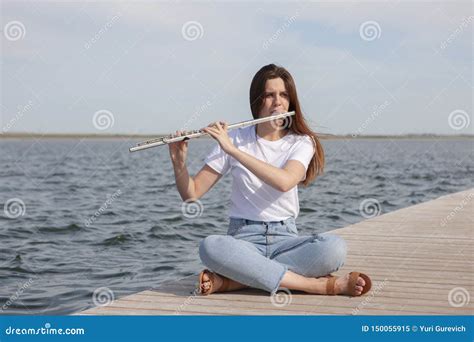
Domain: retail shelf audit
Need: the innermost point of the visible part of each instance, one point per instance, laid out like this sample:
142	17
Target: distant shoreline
145	137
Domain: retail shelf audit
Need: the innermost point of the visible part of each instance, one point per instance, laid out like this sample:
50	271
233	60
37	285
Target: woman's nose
277	99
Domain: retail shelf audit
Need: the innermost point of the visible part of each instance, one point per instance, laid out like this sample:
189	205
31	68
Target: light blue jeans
258	254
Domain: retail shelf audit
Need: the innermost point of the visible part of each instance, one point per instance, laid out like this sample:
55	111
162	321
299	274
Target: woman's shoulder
301	138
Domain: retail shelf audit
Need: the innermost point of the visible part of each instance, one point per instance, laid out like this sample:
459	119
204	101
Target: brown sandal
353	276
227	284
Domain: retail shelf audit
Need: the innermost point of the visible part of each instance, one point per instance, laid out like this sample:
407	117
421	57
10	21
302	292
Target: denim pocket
291	228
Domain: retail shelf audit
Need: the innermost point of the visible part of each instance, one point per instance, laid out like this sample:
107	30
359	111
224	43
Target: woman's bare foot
294	281
206	282
218	283
342	285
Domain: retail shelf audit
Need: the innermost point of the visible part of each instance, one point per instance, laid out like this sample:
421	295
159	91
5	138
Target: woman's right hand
178	150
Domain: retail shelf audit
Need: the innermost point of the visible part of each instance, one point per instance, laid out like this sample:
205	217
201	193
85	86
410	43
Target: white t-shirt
251	198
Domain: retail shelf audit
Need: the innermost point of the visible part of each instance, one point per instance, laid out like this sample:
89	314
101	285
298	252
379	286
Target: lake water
91	214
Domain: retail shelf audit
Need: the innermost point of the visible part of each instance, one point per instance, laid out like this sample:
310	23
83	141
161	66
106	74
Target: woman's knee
327	255
330	255
336	251
211	249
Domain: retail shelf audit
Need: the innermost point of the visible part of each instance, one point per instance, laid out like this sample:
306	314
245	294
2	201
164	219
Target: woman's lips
277	111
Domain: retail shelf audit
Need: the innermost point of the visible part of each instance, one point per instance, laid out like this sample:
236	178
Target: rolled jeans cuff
277	285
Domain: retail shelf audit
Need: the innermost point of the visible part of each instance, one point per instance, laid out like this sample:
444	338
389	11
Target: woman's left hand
218	130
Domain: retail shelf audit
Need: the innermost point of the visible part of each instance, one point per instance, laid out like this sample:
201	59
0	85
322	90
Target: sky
103	67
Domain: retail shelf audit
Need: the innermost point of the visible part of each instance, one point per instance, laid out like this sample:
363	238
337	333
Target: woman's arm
189	187
194	187
282	179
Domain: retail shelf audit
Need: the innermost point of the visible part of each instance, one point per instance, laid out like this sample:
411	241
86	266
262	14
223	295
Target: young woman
262	248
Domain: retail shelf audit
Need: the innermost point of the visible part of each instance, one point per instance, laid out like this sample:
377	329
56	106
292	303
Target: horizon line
128	135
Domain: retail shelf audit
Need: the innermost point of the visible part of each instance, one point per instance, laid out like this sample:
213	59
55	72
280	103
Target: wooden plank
323	305
237	308
298	302
415	261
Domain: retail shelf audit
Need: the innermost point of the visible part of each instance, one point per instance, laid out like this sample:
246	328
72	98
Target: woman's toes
360	281
359	288
205	285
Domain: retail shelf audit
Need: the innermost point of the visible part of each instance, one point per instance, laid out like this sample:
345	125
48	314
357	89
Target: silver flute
199	133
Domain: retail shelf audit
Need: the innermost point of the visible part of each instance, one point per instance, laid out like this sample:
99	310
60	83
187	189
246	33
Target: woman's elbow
285	186
190	196
288	180
190	199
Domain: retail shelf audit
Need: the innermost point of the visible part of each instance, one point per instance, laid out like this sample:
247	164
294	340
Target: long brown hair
298	123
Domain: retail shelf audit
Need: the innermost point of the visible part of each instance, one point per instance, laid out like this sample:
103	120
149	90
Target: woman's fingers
216	127
217	124
179	143
211	130
221	126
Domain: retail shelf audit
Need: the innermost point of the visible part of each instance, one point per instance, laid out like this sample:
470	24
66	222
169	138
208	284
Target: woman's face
275	99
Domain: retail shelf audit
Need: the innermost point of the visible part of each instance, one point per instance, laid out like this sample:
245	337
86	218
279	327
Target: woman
262	248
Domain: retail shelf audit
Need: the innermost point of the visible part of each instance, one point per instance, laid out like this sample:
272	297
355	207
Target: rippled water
58	252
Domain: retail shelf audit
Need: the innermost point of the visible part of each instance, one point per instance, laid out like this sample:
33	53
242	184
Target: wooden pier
420	260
